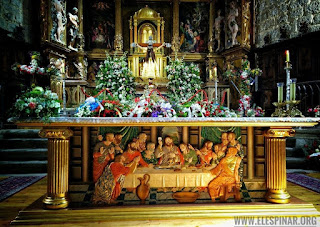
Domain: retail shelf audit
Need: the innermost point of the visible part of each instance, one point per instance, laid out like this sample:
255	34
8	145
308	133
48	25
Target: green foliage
115	75
184	80
37	103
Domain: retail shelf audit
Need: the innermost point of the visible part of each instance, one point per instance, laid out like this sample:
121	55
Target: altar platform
214	214
57	207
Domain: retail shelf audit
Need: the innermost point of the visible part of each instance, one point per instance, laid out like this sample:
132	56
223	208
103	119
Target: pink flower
32	105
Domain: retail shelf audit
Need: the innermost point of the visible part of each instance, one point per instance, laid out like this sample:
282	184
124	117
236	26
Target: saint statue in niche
58	21
150	66
74	23
217	29
232	23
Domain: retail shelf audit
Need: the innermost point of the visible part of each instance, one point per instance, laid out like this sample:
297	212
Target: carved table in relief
58	134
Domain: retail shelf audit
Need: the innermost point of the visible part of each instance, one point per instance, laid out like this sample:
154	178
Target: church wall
281	20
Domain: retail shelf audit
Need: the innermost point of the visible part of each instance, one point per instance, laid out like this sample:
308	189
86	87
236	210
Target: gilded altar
144	24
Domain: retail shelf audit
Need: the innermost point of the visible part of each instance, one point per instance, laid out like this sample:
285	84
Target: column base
277	196
55	202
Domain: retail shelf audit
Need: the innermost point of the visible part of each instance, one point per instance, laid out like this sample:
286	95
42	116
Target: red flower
148	99
147	109
145	104
32	105
137	99
315	110
135	115
207	114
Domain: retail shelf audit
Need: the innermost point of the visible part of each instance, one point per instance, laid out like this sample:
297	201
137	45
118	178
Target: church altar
58	133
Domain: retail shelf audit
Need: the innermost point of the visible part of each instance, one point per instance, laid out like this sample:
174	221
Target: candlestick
293	89
64	94
216	91
280	92
287	56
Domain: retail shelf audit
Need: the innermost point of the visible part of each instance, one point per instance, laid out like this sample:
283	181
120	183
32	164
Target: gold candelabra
283	111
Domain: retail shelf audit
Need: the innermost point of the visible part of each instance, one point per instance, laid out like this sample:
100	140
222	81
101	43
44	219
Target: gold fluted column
85	153
58	167
158	30
250	152
153	136
118	39
275	148
175	27
162	30
185	134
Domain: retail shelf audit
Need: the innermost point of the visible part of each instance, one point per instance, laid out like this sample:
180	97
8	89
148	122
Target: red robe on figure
130	156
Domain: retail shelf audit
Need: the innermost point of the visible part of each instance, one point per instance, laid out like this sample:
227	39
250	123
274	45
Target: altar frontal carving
165	166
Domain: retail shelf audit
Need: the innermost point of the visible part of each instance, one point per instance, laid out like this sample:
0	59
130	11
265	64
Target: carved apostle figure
103	153
226	174
132	152
169	154
109	185
232	22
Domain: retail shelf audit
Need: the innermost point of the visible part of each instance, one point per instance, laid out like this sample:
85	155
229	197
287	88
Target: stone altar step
22	151
23	154
23	167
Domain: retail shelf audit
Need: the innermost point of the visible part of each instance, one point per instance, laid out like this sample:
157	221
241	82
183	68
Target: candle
293	89
280	92
287	56
215	72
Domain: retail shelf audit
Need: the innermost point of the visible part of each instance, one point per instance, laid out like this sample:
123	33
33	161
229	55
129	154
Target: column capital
56	133
279	132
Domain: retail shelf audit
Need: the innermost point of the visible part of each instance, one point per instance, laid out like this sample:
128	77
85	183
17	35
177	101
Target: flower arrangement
115	75
214	110
37	103
151	106
31	69
315	110
93	107
184	80
244	79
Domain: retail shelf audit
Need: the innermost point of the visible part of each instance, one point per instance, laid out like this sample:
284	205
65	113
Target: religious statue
58	20
133	152
150	66
109	185
169	154
57	66
221	148
234	143
232	22
92	71
217	29
117	143
148	155
74	23
141	141
207	156
246	24
226	174
81	69
103	152
189	154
